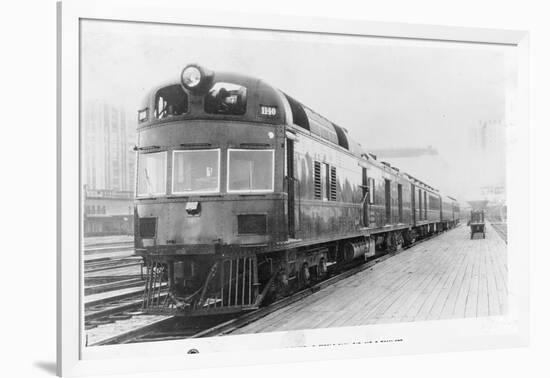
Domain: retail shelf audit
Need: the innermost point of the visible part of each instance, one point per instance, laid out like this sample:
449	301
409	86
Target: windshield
196	171
250	170
151	174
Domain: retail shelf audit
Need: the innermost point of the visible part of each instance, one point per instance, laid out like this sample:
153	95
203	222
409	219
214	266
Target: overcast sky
388	93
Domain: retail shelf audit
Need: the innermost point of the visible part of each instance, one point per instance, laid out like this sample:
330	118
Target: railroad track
112	308
105	240
115	311
109	254
102	286
92	266
174	327
118	296
108	278
98	248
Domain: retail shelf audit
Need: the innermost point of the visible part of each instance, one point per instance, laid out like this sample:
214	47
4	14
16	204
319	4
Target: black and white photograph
248	181
238	190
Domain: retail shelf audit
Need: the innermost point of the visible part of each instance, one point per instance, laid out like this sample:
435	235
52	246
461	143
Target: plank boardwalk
449	276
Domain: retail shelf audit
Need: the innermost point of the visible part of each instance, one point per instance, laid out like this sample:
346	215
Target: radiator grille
317	180
147	227
333	183
252	224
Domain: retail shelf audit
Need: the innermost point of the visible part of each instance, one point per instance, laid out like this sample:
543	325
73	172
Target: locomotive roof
294	113
298	114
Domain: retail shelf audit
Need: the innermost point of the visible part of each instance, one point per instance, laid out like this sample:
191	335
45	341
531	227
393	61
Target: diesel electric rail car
243	193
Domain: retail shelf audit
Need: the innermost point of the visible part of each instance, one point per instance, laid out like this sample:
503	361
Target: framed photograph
239	190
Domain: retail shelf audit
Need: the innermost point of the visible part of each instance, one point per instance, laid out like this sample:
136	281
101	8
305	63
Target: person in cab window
221	100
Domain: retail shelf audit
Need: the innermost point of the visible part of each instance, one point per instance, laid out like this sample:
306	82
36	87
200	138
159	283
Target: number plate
269	111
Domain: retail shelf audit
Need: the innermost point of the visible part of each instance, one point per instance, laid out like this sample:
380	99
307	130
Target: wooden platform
449	276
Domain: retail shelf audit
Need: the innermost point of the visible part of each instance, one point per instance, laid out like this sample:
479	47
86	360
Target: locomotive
244	195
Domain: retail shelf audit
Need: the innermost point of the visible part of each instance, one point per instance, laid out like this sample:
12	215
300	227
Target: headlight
191	77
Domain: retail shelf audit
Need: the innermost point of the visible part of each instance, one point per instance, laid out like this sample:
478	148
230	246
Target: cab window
170	101
226	98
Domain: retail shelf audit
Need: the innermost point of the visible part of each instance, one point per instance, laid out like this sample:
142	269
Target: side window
434	203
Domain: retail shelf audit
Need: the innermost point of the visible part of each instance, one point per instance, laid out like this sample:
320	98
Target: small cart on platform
477	223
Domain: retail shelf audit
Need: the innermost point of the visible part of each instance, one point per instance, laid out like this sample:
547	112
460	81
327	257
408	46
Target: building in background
108	212
108	138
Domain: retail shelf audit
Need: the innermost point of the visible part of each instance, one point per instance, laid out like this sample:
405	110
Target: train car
456	212
450	216
244	194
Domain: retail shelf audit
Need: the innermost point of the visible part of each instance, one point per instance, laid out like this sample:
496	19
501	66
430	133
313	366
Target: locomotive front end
209	191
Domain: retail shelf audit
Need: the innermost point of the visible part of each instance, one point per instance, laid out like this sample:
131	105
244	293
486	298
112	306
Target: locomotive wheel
322	268
305	276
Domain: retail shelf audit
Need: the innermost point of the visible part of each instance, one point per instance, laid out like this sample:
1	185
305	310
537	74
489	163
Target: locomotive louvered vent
147	227
333	183
317	180
252	224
